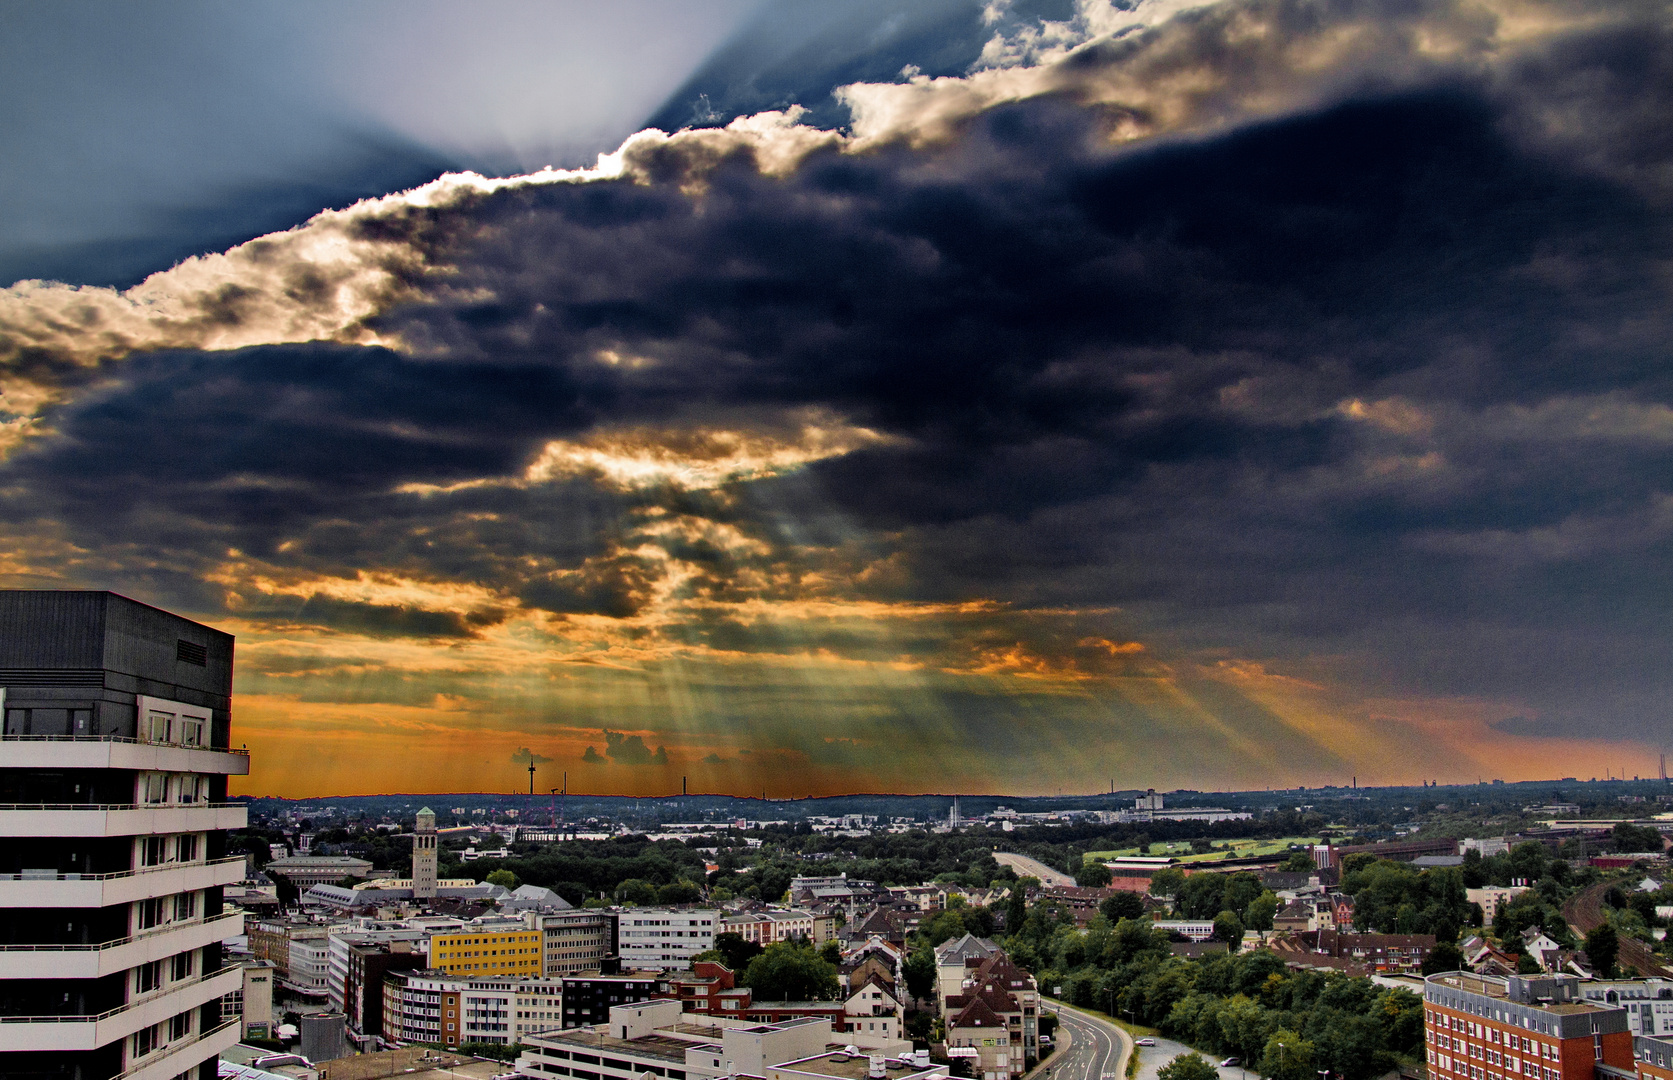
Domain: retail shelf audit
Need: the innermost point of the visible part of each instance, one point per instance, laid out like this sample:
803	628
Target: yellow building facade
503	952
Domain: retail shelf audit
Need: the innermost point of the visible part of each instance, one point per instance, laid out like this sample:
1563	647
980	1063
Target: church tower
424	856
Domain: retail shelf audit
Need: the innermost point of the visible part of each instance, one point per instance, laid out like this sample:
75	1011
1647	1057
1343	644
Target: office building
589	997
114	761
663	938
1478	1027
573	940
498	948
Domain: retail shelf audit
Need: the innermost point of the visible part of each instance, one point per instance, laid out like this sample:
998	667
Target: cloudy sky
877	396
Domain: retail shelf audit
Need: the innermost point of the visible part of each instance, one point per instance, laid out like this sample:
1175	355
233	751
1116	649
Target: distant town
158	928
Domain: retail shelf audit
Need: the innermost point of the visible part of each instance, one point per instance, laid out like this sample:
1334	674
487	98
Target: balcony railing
107	807
168	1052
94	1018
119	739
224	917
49	875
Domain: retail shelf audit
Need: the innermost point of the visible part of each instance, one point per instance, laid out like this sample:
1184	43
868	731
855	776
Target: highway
1094	1053
1026	867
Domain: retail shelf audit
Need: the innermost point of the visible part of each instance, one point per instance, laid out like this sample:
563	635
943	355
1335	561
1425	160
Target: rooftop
839	1063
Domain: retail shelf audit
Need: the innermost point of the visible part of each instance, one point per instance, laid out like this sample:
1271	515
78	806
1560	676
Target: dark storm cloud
1381	384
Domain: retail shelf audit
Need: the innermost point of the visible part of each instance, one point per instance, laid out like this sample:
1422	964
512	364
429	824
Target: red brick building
1519	1028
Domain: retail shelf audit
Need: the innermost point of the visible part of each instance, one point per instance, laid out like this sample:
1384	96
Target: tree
1016	909
1635	838
735	952
1229	929
1299	862
919	970
1287	1056
789	971
505	879
636	891
1261	911
679	892
1601	947
1443	957
1123	905
1527	965
1092	875
831	951
1192	1066
1167	881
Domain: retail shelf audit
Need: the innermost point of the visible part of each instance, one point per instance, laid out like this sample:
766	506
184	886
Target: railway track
1584	912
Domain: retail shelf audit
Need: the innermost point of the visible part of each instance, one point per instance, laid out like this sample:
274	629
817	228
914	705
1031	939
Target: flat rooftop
1494	988
846	1066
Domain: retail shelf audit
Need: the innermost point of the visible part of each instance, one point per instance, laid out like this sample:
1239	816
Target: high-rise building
114	761
424	855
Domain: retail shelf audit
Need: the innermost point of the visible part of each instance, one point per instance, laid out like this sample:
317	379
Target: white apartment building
659	939
310	965
114	760
1648	1002
539	1007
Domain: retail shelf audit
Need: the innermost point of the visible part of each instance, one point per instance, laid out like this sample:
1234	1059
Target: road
1095	1053
1152	1058
1026	867
1095	1049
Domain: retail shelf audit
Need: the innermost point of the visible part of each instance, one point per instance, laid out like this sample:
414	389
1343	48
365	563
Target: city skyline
993	398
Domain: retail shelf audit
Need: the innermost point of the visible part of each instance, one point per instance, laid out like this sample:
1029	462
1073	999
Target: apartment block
574	940
1478	1027
664	938
114	762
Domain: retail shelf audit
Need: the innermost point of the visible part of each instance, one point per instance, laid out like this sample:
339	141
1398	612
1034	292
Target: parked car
1229	1063
1144	1042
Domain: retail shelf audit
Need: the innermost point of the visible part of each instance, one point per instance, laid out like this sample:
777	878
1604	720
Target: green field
1241	849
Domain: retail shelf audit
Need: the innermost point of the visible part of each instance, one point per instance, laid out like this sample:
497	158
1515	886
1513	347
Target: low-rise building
656	1038
768	926
306	871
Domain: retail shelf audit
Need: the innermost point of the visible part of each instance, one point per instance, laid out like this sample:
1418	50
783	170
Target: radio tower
1664	767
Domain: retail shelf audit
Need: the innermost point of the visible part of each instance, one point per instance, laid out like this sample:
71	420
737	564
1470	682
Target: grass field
1241	849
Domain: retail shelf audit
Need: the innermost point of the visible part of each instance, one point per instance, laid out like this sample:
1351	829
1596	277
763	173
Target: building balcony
116	752
50	889
25	1033
118	819
110	957
174	1060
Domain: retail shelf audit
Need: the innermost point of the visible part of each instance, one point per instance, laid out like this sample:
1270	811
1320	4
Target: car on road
1146	1041
1229	1063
